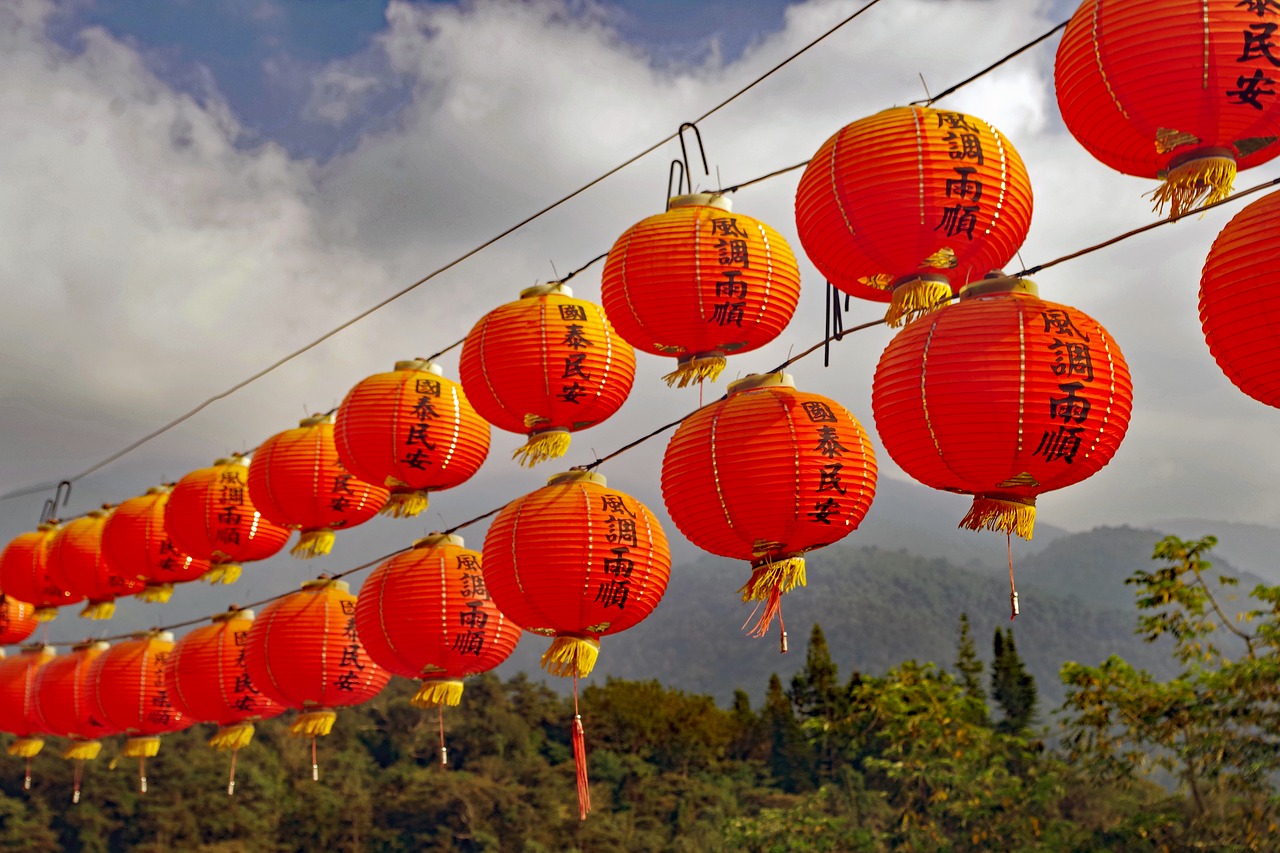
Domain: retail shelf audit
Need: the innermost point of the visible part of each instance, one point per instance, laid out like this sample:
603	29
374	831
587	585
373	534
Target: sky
192	190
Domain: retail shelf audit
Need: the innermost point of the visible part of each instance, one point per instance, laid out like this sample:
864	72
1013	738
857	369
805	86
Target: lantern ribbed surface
24	572
130	691
413	431
137	544
908	205
63	696
545	366
297	480
576	560
17	620
699	282
211	516
426	614
17	698
1239	293
1184	87
78	564
765	475
303	652
208	674
1003	396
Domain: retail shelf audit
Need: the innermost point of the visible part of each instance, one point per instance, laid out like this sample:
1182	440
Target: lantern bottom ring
915	295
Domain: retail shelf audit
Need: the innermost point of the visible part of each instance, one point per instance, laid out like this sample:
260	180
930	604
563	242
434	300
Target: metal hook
684	154
679	181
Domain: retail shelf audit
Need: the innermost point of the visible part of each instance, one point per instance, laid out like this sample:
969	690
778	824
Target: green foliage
1012	687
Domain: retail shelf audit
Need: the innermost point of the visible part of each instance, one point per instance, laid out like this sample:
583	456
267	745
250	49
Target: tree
789	754
969	667
1012	687
817	697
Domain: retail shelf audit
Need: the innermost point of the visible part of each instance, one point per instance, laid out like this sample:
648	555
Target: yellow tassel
405	504
222	573
98	610
313	724
26	747
1007	515
237	736
141	747
695	370
313	543
570	656
914	299
541	446
46	614
782	575
1195	183
82	750
438	692
156	593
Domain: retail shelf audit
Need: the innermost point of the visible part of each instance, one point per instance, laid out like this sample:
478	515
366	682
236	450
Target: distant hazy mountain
1250	547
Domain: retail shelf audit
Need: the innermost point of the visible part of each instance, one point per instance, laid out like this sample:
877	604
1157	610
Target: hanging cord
444	752
834	328
231	779
1013	590
580	758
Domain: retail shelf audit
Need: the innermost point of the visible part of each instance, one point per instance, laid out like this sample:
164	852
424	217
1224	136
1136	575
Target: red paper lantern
1181	90
1238	294
908	205
303	652
17	620
24	572
209	682
211	516
426	614
412	430
699	282
63	706
767	474
544	366
78	565
136	543
17	702
1003	396
297	480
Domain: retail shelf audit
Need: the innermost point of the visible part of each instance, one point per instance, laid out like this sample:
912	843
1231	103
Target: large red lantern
1238	295
63	691
78	565
413	431
303	652
544	366
1182	90
297	480
908	205
17	620
211	516
17	702
699	282
209	682
1003	396
24	572
136	543
130	692
767	474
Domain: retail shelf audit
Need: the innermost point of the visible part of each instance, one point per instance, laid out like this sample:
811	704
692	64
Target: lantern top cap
433	539
576	477
233	459
546	289
761	380
316	420
231	613
153	634
420	364
100	645
998	283
159	490
325	583
38	649
719	201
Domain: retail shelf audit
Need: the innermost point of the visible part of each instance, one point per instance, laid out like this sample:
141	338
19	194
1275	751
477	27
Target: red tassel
580	758
772	609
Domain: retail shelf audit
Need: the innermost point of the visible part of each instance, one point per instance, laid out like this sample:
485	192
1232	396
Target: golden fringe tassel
46	614
695	370
26	747
313	724
405	504
1004	514
157	593
570	656
1195	183
541	446
438	692
769	581
313	543
141	747
914	299
235	736
222	573
98	610
82	750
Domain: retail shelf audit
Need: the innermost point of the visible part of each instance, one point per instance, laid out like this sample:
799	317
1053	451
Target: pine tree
969	667
1012	687
789	755
817	695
